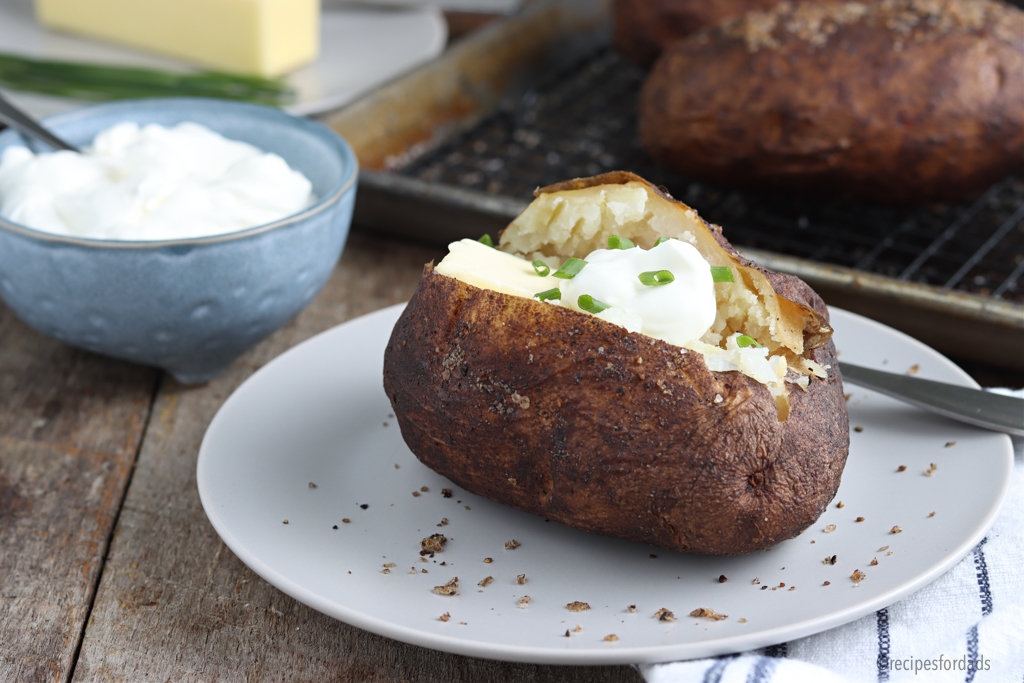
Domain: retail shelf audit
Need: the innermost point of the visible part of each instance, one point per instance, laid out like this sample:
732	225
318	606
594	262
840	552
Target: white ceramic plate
318	414
360	48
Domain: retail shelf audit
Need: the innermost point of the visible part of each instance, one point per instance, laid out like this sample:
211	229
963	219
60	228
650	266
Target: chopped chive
743	341
721	274
662	239
549	295
103	82
570	269
590	304
652	278
486	240
542	268
616	242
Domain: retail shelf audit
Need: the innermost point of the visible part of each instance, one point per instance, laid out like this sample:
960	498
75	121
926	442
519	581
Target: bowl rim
311	126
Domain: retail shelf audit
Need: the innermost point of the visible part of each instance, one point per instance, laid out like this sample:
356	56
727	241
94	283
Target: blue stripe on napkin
882	617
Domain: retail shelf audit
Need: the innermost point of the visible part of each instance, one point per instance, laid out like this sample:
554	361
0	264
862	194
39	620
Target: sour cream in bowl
150	182
189	230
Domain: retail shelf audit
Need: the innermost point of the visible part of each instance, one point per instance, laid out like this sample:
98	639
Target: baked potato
900	101
561	413
641	29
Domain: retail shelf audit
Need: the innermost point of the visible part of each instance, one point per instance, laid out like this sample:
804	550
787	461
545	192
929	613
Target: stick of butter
254	37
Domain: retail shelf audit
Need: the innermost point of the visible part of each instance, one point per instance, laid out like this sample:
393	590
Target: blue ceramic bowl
188	306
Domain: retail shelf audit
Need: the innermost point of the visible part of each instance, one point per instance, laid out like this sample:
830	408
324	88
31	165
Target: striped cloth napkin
974	613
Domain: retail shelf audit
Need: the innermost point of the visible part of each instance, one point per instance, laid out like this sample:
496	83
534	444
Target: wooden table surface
110	570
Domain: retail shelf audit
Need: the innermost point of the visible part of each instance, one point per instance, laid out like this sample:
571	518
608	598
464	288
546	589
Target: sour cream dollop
150	183
677	312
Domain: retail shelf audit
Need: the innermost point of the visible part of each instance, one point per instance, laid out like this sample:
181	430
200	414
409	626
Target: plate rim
594	656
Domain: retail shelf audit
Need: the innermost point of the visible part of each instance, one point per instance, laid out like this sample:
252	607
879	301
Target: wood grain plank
175	603
70	426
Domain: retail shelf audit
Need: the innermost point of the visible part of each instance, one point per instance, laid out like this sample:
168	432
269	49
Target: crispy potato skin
897	102
561	414
641	29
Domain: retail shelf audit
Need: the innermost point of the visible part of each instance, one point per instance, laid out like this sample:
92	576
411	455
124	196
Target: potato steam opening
572	222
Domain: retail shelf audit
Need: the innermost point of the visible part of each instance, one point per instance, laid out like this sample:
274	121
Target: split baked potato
563	414
898	101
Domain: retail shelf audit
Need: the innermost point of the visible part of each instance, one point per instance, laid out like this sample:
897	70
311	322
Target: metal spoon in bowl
16	118
980	408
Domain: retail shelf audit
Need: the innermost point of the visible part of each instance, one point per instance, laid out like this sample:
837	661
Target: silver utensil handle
973	406
16	118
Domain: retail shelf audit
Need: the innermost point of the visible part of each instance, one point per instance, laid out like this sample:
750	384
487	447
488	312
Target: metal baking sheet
456	148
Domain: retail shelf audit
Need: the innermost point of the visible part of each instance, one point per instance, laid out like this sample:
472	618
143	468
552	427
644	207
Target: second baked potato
707	448
900	101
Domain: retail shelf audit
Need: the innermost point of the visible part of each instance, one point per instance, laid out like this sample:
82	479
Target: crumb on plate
433	543
709	613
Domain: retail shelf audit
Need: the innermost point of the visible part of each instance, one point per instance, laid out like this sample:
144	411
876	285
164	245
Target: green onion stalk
101	82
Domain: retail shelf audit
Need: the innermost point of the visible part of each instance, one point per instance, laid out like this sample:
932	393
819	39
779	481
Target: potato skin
641	29
552	411
900	101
